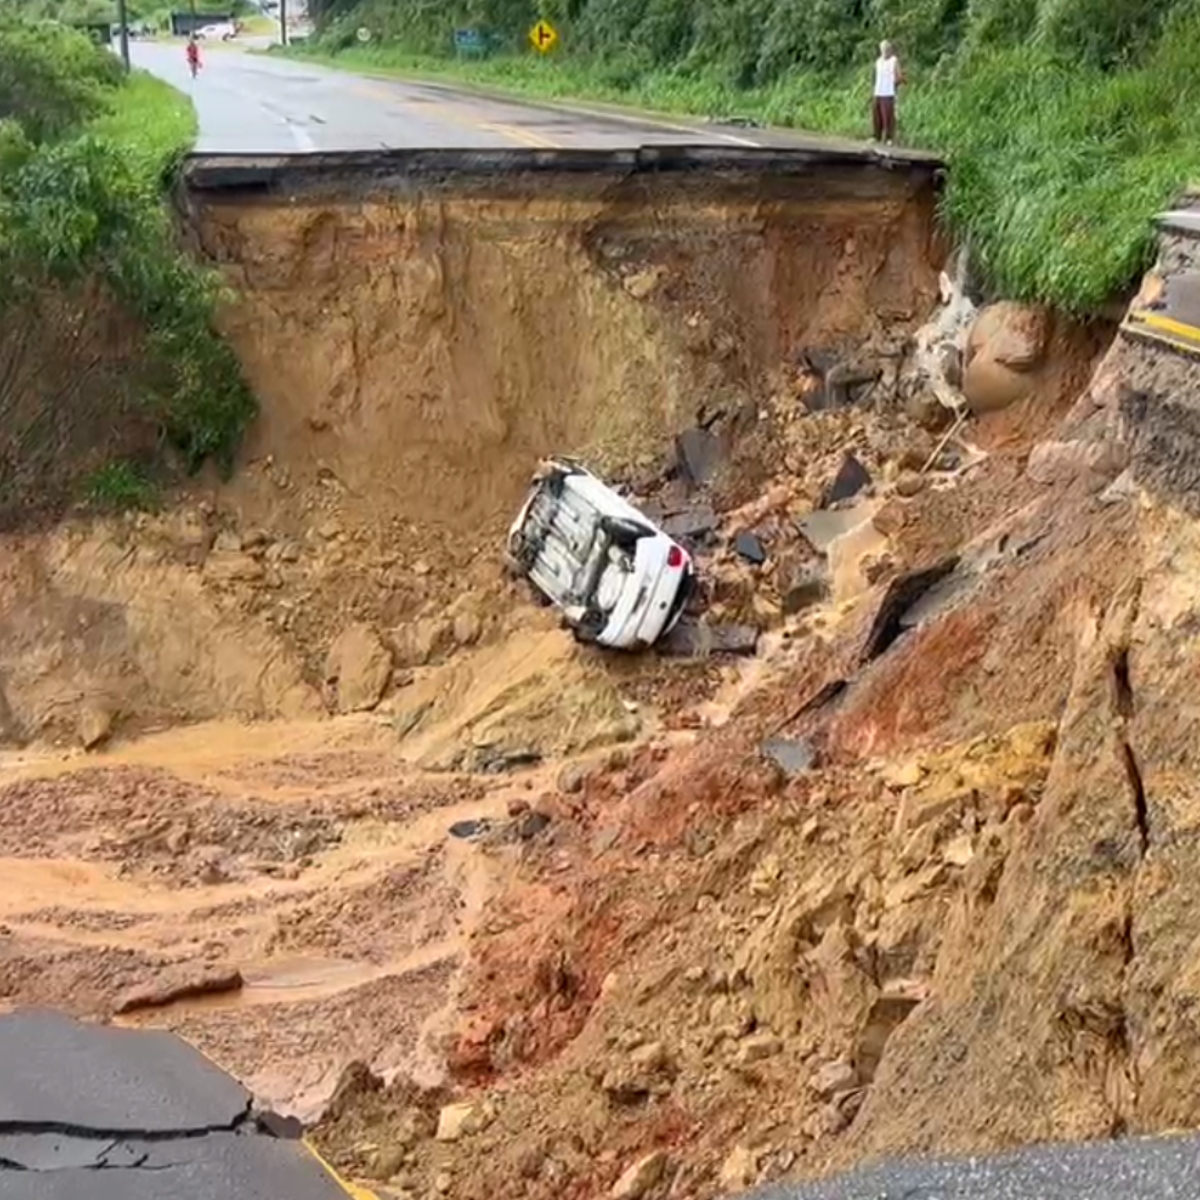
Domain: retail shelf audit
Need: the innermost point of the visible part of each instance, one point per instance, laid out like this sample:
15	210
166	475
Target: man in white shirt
888	78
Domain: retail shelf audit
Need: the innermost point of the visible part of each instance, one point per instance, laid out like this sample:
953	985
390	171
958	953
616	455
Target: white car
224	33
616	577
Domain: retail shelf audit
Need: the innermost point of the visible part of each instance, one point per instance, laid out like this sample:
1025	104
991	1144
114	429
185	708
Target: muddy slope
419	330
968	925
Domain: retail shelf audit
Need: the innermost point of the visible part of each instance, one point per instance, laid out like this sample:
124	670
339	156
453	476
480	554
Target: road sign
543	36
469	41
363	34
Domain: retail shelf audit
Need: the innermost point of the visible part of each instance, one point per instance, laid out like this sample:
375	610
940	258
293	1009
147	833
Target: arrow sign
543	36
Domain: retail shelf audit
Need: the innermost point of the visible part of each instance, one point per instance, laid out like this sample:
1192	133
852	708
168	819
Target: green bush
85	155
120	486
52	79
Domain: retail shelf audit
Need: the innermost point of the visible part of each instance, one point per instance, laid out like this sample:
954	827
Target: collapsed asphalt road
94	1113
1129	1169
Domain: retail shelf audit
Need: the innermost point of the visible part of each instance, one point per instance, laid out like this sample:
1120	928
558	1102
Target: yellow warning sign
543	36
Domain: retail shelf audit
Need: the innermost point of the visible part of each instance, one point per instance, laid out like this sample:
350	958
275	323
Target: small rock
233	568
641	1177
467	629
757	1047
851	478
387	1161
517	807
904	775
740	1169
959	851
227	542
749	546
640	284
95	724
442	1183
834	1079
457	1121
571	779
358	667
691	524
698	454
910	484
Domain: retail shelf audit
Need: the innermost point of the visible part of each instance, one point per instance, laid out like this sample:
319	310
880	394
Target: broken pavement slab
89	1112
691	640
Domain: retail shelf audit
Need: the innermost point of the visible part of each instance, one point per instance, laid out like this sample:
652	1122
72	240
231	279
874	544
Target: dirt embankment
418	337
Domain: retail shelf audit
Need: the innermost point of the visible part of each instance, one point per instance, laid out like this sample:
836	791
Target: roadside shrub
52	79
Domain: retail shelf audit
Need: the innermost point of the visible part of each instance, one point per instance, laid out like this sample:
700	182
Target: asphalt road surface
1130	1169
252	102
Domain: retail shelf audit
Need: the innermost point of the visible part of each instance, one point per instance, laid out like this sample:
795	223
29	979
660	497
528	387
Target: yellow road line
446	113
353	1190
1179	329
520	135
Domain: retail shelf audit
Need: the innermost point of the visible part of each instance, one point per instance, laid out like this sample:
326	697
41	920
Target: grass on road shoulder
150	119
1056	169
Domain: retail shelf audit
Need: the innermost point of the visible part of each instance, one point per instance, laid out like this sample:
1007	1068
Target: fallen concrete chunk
691	640
901	594
205	981
698	453
749	546
850	479
690	524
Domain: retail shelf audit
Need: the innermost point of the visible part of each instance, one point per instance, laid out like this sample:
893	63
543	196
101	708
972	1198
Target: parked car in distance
617	578
224	32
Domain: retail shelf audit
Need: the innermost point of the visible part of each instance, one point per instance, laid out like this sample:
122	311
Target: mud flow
290	766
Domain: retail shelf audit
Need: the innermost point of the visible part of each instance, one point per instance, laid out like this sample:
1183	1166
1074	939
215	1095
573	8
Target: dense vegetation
1067	123
90	259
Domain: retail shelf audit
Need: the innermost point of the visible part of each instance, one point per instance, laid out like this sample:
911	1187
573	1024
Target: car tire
624	533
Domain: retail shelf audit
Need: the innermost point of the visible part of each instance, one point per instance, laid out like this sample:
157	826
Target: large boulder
358	669
1005	347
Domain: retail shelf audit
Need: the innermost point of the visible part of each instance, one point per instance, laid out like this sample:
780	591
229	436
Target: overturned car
617	578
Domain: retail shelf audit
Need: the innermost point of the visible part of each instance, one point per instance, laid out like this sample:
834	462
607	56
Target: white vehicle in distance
223	32
618	580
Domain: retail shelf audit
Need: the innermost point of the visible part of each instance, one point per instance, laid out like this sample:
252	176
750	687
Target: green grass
149	118
1056	168
120	487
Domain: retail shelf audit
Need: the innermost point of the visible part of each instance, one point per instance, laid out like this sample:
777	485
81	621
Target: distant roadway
258	103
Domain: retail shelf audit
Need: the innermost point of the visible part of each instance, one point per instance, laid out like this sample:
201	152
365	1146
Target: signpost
469	43
543	36
123	18
363	34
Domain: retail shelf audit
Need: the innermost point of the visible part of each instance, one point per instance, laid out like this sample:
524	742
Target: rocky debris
699	456
572	778
461	1120
642	284
647	1070
358	669
185	984
749	546
834	1079
793	755
229	567
1098	463
851	478
758	1047
642	1177
691	639
900	595
692	525
95	724
1006	344
740	1169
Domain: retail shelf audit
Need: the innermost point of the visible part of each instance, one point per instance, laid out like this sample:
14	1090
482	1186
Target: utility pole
123	34
283	34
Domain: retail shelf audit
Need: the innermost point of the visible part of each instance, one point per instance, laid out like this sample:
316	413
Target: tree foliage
84	156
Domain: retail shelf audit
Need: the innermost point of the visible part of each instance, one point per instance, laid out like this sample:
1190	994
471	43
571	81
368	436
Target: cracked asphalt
89	1112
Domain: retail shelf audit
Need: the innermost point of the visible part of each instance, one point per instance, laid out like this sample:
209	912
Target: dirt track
307	854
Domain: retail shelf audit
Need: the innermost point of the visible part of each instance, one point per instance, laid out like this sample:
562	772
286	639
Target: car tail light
675	557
